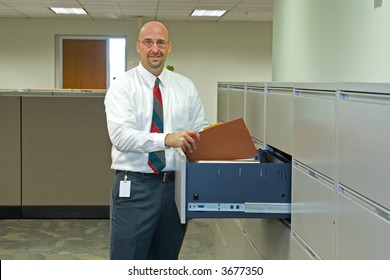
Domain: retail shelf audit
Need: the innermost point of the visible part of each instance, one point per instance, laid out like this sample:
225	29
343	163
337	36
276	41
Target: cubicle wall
10	156
338	138
57	160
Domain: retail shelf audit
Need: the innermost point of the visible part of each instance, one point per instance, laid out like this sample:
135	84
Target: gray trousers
145	225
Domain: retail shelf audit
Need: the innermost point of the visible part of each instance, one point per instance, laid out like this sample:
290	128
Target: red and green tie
157	159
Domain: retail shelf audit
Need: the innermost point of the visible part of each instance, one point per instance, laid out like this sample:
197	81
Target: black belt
163	176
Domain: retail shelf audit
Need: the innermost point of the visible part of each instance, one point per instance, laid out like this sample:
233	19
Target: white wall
27	48
331	40
205	52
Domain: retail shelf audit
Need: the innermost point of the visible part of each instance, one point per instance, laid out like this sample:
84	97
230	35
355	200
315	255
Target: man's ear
137	46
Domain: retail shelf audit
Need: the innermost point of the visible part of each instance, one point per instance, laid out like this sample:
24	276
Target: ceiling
237	10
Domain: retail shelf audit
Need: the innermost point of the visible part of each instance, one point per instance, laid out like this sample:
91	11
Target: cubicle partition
55	155
10	156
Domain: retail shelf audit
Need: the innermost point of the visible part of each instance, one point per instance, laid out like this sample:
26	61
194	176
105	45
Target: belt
163	176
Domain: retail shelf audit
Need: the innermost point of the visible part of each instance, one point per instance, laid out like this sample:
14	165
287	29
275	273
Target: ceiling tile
238	10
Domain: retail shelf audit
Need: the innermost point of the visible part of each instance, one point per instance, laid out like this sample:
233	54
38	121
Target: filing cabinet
255	112
279	116
233	189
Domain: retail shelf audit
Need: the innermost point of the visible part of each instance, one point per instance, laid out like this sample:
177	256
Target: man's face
153	46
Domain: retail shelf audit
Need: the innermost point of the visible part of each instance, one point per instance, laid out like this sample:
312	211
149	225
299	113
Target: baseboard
10	212
55	212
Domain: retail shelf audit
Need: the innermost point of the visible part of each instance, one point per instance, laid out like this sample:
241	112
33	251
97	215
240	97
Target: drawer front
233	190
247	182
312	210
297	251
221	248
362	233
315	130
223	104
279	120
364	145
255	113
271	237
236	103
238	190
239	246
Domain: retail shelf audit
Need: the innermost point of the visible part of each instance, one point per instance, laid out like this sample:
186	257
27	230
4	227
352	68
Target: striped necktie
156	160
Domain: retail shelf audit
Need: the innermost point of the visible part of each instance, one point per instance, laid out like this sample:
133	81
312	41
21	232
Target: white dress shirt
129	106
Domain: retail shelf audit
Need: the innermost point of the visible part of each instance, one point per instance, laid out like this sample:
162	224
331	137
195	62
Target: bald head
153	27
153	46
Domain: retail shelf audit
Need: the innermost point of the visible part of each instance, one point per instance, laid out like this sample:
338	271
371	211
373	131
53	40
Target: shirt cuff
159	140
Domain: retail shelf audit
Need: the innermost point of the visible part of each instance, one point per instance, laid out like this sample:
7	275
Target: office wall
331	40
27	49
206	52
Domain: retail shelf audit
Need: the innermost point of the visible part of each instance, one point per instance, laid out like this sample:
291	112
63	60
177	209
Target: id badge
124	188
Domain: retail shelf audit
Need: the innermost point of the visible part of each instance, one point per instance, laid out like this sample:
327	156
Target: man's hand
183	139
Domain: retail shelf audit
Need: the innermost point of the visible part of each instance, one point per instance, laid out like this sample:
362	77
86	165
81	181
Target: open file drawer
233	189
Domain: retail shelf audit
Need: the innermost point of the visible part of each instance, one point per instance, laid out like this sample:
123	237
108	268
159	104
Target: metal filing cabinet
364	172
279	116
237	101
233	190
313	184
314	134
312	217
255	112
223	102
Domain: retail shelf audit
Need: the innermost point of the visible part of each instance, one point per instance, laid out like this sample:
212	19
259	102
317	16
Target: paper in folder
227	141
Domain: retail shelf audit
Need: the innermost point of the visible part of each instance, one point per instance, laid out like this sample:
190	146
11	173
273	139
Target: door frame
59	55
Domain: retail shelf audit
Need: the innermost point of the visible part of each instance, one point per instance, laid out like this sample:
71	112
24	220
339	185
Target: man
144	220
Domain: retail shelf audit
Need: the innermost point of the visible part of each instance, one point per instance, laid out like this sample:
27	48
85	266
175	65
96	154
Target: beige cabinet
279	117
338	137
255	111
236	101
363	196
223	102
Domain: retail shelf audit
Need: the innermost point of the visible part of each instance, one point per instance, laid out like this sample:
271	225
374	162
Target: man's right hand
183	139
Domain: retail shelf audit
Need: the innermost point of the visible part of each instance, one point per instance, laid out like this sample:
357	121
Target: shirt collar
150	78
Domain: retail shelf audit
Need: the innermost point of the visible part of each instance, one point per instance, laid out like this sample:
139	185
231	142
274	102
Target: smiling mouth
155	58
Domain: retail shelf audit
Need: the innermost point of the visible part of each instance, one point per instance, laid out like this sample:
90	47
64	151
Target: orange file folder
226	141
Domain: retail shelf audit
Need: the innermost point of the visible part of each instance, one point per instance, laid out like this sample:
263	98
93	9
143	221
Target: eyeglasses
161	44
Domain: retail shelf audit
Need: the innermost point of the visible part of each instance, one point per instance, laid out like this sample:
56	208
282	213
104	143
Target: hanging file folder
226	141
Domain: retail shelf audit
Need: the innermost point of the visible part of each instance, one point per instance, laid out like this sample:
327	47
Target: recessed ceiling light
208	13
69	11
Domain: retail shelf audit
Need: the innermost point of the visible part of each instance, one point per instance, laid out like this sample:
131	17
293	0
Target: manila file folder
227	141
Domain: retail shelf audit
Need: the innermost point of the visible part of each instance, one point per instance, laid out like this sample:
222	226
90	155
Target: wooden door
84	64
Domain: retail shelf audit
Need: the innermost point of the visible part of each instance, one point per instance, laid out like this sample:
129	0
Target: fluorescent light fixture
208	13
69	11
